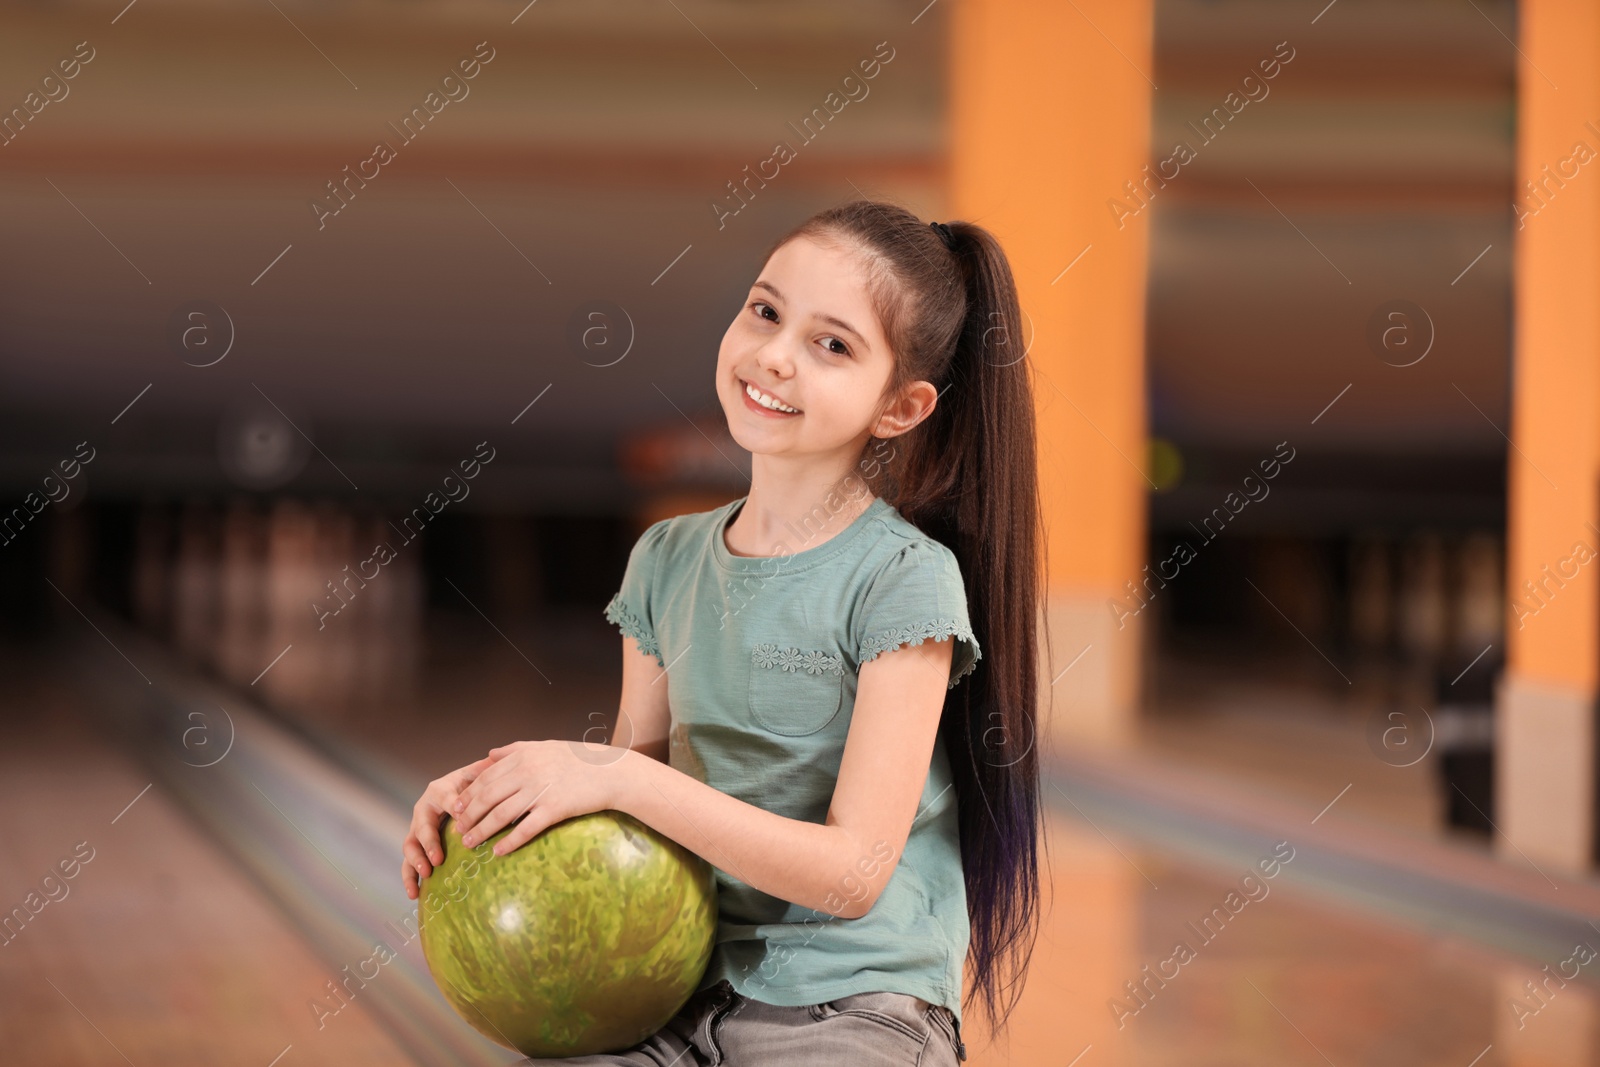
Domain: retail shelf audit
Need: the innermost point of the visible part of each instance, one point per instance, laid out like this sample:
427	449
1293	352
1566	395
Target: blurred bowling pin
292	589
409	616
1371	594
152	569
343	590
242	612
379	642
194	584
1480	602
1422	596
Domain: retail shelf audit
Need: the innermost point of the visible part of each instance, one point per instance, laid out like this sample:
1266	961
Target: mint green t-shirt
762	655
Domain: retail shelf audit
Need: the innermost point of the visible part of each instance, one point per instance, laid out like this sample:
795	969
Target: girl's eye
758	305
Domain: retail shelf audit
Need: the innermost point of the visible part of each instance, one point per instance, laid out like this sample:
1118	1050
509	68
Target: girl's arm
643	720
840	866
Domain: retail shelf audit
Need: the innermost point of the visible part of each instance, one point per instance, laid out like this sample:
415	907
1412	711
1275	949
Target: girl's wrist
625	775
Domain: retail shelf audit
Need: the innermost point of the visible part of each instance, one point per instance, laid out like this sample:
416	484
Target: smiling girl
872	822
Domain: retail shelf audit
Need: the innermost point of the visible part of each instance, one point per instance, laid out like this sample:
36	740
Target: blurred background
1290	426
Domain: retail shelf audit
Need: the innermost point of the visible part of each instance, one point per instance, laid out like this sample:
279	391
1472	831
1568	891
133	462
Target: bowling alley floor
1292	725
156	950
163	953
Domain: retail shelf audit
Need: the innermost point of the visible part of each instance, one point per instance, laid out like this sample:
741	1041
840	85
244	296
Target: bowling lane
1288	979
156	950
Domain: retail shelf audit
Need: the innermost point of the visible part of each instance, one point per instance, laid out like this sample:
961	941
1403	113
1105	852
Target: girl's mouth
753	405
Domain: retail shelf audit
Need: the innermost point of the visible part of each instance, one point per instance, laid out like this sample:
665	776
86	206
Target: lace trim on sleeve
915	634
632	627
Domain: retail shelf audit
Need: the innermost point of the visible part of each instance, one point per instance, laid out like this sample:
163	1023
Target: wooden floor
159	952
1296	729
1288	980
162	954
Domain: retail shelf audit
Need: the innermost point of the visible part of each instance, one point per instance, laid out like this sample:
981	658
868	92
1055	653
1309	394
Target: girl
791	706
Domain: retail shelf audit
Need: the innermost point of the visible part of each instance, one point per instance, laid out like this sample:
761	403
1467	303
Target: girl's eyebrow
829	319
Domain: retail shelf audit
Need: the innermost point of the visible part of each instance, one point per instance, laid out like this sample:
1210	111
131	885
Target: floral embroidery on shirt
793	659
915	634
633	627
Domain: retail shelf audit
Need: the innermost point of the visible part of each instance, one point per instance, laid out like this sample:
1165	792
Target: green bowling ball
588	938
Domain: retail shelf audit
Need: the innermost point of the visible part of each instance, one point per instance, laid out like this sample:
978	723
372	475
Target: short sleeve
918	595
631	608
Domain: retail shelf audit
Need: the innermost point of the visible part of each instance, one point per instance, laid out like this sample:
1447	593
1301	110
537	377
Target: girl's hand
549	780
421	847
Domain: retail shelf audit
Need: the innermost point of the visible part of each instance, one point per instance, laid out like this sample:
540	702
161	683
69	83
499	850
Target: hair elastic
945	235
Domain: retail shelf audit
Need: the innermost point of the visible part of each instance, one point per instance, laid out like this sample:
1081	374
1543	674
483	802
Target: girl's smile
773	411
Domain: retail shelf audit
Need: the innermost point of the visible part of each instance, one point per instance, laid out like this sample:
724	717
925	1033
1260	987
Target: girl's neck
795	518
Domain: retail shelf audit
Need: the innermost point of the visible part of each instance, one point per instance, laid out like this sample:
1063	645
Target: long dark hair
967	475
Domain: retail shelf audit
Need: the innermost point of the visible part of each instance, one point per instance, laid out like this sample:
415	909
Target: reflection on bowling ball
588	938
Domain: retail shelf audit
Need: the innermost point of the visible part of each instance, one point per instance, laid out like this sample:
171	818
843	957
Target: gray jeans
719	1026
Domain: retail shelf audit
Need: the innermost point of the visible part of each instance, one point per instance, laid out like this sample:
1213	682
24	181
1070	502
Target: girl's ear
914	404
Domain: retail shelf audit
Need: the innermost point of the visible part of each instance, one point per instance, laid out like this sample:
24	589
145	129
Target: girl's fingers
520	834
497	819
472	770
415	861
427	837
467	797
482	798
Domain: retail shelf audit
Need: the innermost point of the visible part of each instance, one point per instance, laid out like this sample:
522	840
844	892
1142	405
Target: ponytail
967	475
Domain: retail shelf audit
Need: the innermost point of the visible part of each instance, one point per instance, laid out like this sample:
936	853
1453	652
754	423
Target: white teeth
766	401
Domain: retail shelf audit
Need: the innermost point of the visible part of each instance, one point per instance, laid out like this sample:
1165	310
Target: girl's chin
761	439
751	439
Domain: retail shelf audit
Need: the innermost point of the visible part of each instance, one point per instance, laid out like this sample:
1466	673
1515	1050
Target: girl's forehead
822	276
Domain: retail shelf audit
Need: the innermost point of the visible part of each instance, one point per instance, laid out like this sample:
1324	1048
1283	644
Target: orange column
1049	119
1545	766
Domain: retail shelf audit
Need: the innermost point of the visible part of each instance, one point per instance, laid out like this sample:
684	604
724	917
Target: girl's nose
774	356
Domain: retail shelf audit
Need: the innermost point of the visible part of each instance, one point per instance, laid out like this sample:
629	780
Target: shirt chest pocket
795	691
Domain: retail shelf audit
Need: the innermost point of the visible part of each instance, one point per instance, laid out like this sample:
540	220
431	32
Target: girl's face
808	338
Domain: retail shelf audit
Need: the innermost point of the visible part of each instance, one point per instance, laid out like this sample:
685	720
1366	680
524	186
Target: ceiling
586	163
